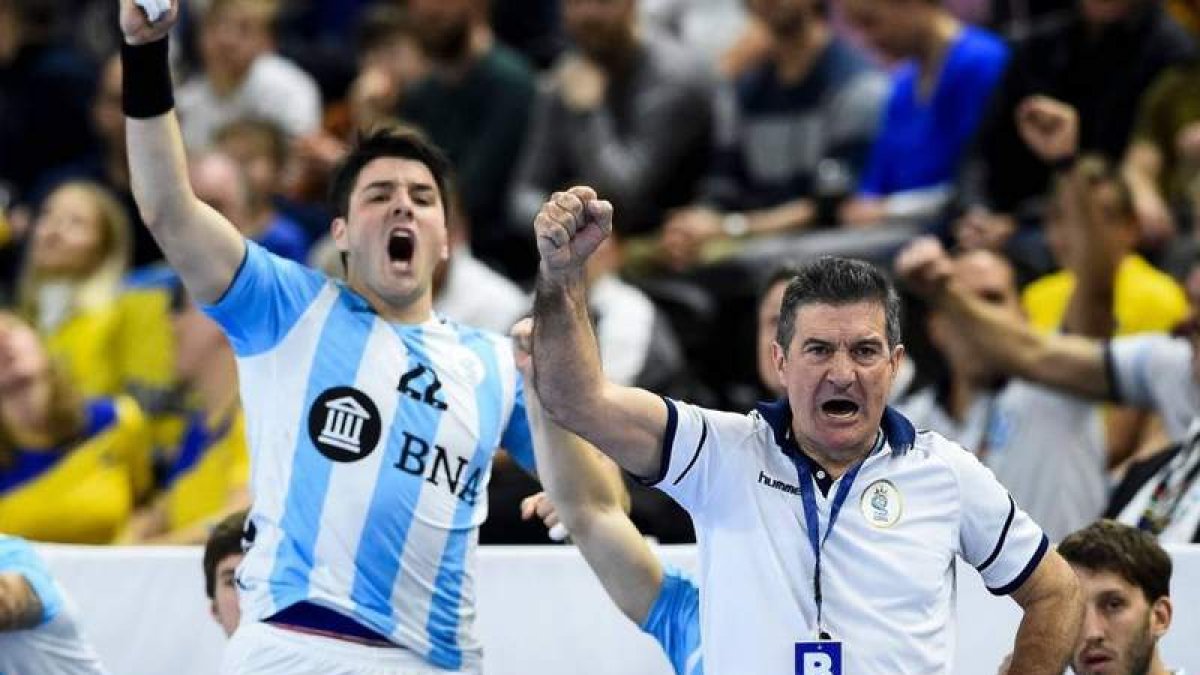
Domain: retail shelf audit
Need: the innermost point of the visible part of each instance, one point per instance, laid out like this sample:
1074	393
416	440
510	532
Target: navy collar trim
899	433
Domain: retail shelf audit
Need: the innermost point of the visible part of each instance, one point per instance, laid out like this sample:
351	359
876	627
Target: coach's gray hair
829	280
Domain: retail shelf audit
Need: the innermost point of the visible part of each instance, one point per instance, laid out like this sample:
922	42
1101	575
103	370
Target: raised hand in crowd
1049	127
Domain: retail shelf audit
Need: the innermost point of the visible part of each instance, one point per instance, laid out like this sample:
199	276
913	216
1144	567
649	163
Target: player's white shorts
262	649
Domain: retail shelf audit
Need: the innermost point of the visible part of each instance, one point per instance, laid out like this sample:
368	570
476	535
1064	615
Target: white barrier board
540	611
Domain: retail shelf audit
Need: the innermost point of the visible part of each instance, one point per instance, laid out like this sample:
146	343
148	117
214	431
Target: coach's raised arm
626	423
203	247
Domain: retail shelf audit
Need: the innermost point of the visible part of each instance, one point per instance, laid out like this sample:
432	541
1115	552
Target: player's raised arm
626	423
584	492
203	247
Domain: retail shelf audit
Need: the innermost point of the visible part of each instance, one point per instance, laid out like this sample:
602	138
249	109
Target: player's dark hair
829	280
390	141
1130	553
225	540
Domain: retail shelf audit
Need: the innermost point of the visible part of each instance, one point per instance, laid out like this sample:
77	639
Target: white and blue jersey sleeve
517	439
1154	371
674	621
995	536
264	301
17	556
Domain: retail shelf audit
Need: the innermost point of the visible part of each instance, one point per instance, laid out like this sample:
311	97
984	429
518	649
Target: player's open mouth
401	246
841	408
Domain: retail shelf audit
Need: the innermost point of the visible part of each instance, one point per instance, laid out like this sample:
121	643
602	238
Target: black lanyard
812	521
1165	499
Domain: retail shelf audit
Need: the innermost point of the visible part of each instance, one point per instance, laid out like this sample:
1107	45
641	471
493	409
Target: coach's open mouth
401	245
840	407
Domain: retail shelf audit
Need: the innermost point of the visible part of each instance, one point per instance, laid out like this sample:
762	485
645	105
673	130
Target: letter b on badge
819	658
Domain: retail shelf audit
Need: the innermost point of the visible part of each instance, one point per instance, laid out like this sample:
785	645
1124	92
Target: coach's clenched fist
569	228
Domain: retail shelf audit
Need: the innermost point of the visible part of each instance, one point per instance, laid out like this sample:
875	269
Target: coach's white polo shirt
887	568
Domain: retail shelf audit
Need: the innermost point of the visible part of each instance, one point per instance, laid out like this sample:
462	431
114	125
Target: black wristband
146	80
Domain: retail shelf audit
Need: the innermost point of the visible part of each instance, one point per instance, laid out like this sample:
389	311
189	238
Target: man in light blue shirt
39	632
663	601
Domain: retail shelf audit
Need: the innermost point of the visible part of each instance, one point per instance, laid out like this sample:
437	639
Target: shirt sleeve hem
668	443
1012	586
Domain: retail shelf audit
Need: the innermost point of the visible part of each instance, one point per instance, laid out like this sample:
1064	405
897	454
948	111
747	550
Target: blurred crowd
1052	148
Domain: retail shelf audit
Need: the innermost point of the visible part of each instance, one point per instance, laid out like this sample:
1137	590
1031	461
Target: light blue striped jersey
371	447
674	620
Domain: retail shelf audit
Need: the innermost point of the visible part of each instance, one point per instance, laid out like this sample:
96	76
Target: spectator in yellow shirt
1145	299
71	470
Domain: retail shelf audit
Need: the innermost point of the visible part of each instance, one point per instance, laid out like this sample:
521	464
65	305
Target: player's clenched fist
569	228
144	21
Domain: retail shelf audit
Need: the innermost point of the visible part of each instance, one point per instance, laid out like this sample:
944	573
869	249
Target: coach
827	525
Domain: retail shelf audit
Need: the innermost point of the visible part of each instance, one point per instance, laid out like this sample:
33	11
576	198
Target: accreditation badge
823	657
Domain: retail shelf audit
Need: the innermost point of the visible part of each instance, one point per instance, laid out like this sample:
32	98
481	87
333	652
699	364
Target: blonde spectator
71	279
71	470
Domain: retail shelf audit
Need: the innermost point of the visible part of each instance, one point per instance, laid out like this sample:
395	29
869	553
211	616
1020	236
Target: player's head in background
1126	580
391	204
222	554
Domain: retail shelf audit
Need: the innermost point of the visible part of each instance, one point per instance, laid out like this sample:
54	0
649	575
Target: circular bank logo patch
344	424
882	503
